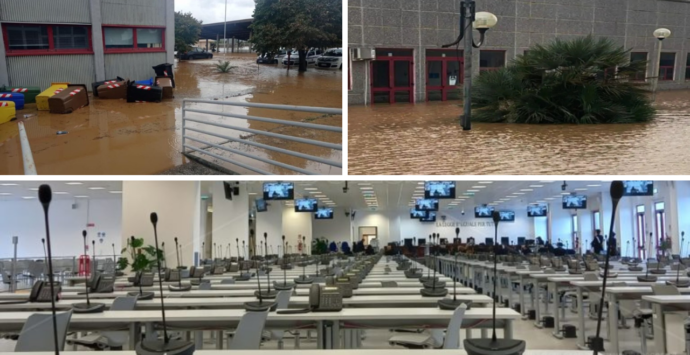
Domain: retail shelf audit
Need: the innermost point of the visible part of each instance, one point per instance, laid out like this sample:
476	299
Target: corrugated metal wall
42	11
135	66
134	12
44	69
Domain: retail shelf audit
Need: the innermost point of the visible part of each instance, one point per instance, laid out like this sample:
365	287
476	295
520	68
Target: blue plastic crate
17	98
148	82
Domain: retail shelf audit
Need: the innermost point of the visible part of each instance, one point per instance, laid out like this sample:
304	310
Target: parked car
294	58
266	59
332	59
195	53
312	55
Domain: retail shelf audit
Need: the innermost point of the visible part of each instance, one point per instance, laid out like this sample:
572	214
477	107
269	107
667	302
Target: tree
585	80
187	31
299	24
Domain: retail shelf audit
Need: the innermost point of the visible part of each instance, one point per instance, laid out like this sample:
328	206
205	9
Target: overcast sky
211	11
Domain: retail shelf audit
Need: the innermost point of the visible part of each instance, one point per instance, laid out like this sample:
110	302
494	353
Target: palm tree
224	67
585	80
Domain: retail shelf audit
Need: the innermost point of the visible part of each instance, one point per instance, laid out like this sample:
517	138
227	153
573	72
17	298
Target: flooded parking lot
114	137
426	138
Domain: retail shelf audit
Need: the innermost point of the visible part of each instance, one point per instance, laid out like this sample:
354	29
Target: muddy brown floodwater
426	138
116	138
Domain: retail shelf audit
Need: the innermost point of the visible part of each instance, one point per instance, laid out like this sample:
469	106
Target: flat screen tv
521	241
483	211
430	217
507	216
638	188
426	204
323	213
414	213
279	191
489	241
439	189
574	202
505	240
538	210
421	241
306	205
261	205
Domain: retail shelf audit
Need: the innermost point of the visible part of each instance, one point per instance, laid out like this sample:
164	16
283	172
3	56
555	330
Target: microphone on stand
165	346
179	287
678	283
268	269
452	304
479	346
303	279
117	272
433	291
88	307
242	276
285	286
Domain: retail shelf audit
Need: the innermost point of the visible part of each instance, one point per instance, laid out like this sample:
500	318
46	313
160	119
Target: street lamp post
660	34
482	21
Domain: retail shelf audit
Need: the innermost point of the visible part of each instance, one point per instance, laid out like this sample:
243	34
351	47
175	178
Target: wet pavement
426	138
118	138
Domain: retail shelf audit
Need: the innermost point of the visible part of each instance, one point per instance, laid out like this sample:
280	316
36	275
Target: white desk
328	352
661	305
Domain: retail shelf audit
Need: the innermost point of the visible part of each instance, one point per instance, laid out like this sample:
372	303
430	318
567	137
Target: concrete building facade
409	65
83	41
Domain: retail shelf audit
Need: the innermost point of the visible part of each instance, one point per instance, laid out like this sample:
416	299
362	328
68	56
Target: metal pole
657	66
13	285
225	28
467	57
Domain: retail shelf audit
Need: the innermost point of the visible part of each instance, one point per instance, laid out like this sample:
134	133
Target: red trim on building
51	42
134	48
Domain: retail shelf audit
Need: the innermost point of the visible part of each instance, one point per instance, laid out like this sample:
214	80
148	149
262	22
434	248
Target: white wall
25	220
178	209
230	218
270	222
295	224
336	229
381	220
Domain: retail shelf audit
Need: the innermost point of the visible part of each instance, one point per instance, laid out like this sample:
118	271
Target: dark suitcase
143	93
116	90
165	69
69	100
95	85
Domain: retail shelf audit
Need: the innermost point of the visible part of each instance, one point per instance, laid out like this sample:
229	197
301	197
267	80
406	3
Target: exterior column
170	31
4	76
232	49
96	39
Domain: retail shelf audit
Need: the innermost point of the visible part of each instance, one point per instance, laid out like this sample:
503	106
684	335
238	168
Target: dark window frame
135	48
51	41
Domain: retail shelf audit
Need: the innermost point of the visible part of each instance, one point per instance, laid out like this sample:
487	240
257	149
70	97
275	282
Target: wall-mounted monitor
507	216
520	240
421	241
574	202
426	204
638	188
489	241
439	189
323	213
279	191
505	240
538	210
306	205
261	205
414	213
483	212
430	217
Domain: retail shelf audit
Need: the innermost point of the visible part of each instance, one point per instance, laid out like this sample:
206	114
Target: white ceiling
62	190
398	195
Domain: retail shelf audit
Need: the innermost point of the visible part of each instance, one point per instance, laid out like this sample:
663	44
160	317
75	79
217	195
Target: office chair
35	332
435	338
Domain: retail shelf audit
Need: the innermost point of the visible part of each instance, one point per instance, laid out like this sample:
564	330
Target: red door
392	76
444	78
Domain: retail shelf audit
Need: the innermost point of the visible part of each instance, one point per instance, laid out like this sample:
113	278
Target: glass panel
119	37
449	53
381	74
25	37
70	37
434	95
640	208
639	57
393	52
454	94
575	223
453	77
668	59
402	96
402	73
659	206
381	98
149	38
492	59
435	68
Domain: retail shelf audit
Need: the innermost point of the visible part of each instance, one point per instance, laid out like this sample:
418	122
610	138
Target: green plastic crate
30	92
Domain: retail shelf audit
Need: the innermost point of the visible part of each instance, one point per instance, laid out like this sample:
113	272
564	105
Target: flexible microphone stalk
284	286
678	283
270	293
88	307
179	287
494	346
242	276
166	346
304	279
45	195
433	291
452	304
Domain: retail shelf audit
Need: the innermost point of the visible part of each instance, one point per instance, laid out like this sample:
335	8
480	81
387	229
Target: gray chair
37	333
110	339
205	285
435	338
283	301
249	332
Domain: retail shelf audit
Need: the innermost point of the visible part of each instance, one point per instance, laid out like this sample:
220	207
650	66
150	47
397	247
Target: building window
46	39
596	220
666	65
491	60
639	221
660	223
639	57
132	39
687	68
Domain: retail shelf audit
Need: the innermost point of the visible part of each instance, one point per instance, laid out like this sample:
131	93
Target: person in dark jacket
598	242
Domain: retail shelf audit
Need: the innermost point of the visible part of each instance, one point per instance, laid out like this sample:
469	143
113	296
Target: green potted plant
141	258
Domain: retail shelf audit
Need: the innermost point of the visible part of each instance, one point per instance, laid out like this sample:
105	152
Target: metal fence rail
208	133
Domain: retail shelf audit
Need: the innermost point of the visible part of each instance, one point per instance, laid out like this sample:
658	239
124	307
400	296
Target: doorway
366	234
391	76
444	74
